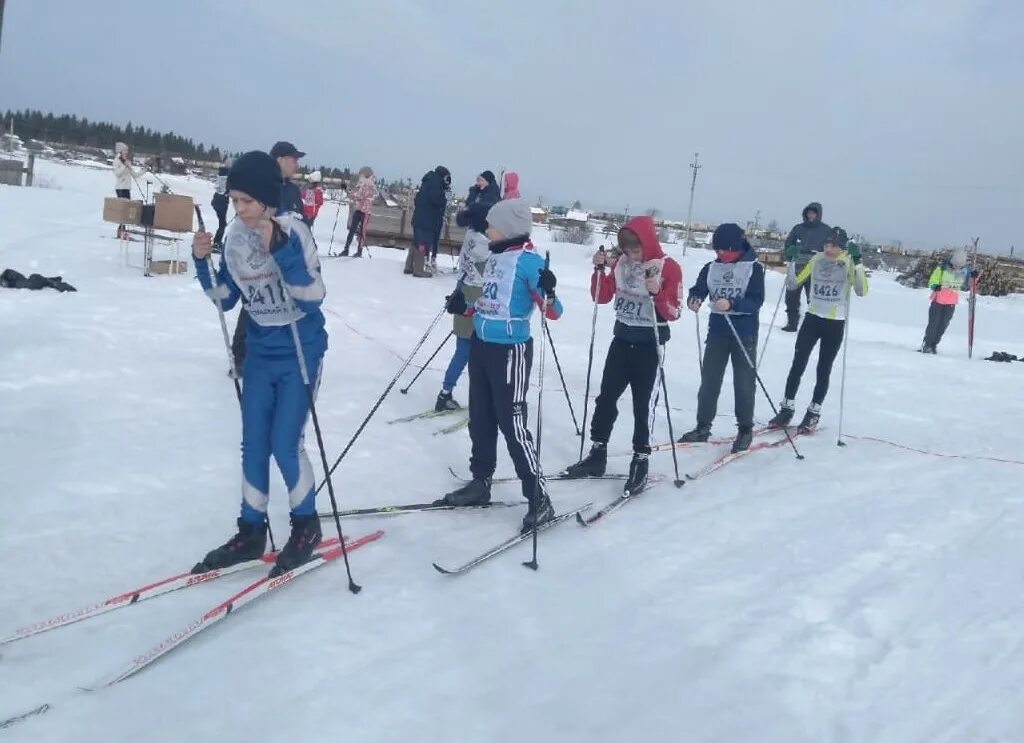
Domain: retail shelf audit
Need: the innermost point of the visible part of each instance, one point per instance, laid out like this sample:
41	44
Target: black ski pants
812	330
220	207
356	228
939	317
718	350
499	378
633	365
238	340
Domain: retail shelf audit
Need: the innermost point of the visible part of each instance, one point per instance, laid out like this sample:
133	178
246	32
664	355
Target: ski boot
744	437
592	465
305	536
343	253
784	416
538	516
476	492
792	324
248	544
811	418
636	483
697	436
444	402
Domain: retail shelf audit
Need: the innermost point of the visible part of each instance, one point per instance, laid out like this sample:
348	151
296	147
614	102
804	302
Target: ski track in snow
863	594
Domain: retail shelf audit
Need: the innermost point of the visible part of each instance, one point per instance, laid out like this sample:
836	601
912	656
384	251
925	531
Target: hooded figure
804	240
427	219
511	189
645	284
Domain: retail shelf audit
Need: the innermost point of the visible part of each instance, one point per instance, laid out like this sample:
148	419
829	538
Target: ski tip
690	477
442	571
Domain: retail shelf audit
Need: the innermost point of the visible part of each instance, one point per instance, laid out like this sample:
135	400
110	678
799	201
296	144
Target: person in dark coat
804	241
428	213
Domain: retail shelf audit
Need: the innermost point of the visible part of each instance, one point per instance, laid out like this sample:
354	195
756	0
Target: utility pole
693	186
1	23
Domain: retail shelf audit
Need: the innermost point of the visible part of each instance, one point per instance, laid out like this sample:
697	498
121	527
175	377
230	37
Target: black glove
455	303
547	282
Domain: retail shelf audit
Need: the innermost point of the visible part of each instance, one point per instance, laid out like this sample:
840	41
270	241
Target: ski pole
700	358
352	585
590	354
757	376
775	314
405	390
337	213
842	386
660	350
532	564
380	400
227	346
568	400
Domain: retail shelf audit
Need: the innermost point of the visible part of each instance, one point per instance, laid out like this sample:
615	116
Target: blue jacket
510	292
276	288
744	312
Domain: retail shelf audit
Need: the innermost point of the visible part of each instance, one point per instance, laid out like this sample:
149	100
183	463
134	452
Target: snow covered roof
537	210
577	215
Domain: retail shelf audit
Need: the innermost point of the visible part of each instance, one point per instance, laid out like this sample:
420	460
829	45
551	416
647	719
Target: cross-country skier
805	240
220	203
948	279
645	284
312	198
734	283
472	259
270	263
500	356
830	274
361	201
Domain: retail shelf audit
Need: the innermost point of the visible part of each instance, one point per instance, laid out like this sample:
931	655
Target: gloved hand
792	251
455	303
547	282
935	287
853	250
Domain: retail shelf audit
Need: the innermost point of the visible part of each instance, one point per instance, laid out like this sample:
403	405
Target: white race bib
633	305
258	276
829	282
728	281
498	281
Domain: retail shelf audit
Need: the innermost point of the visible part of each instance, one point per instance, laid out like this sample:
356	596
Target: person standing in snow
948	279
220	203
501	353
271	265
734	282
472	258
290	201
645	284
312	199
428	213
511	186
123	175
804	240
830	274
361	202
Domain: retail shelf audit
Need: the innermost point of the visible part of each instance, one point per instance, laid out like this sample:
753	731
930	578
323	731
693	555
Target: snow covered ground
870	593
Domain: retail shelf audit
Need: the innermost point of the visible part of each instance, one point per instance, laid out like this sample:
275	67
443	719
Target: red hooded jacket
667	301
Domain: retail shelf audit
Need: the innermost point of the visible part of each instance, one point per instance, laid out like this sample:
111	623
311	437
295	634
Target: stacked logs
997	276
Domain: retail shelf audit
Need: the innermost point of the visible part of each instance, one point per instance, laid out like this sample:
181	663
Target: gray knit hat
511	217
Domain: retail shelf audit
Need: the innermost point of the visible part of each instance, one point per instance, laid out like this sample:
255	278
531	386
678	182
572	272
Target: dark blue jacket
431	200
745	312
291	198
478	203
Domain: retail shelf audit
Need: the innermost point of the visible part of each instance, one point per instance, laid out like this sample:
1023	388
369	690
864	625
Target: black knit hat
729	236
257	174
837	236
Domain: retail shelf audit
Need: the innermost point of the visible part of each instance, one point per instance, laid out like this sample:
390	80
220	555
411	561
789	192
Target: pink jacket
365	193
511	190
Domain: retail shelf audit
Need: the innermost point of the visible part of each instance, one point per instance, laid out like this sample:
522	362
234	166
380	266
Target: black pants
221	209
814	329
793	301
717	352
356	228
499	378
238	340
633	365
939	316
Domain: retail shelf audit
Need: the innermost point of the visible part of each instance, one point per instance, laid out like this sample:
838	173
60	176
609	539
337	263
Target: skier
734	282
500	356
271	265
220	203
361	209
472	257
428	213
123	174
804	240
948	279
645	284
312	199
287	157
830	274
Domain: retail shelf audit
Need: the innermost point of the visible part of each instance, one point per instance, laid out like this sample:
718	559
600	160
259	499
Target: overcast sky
903	118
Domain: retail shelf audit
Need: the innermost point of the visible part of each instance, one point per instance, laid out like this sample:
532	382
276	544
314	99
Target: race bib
728	281
498	281
829	280
258	277
633	305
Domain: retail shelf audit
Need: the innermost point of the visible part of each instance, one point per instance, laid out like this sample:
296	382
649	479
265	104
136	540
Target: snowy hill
867	593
